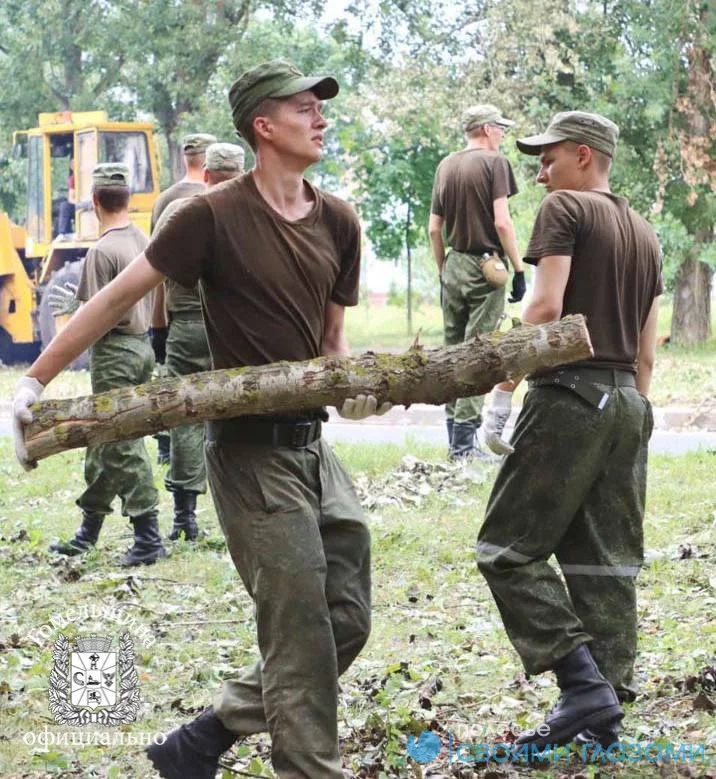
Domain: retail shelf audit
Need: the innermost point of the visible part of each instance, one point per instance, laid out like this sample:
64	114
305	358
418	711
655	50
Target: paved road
425	424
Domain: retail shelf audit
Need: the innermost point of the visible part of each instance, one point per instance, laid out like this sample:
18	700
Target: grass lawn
433	618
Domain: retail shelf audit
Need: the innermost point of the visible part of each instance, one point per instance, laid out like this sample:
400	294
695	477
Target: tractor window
131	149
35	189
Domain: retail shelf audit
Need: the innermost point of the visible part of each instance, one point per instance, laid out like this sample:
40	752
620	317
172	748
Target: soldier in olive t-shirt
122	358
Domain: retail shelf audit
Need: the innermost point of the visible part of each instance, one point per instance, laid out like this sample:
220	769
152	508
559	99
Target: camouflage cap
196	143
224	156
110	174
277	78
477	115
593	130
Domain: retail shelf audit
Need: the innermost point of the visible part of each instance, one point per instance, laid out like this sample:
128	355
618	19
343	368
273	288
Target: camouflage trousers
297	536
187	352
573	488
120	468
470	305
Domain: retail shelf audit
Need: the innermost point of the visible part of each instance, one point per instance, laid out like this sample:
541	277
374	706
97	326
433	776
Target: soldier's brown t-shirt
466	185
106	260
265	280
178	299
615	272
177	191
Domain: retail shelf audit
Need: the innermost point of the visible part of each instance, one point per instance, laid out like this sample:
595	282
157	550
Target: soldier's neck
477	143
195	176
113	221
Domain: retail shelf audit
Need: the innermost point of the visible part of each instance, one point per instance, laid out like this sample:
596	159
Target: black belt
186	316
120	332
294	435
581	381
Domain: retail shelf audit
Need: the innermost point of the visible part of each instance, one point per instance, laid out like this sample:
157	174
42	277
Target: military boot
85	538
163	449
147	547
462	441
604	736
192	750
587	702
449	423
184	516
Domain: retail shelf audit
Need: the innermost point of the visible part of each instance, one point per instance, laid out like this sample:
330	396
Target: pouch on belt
494	270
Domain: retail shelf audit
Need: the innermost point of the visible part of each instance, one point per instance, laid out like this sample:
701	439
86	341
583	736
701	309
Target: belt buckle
300	435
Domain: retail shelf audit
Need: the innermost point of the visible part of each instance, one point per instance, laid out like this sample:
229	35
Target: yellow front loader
61	225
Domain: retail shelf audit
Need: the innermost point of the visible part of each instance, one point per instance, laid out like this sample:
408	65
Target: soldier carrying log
278	261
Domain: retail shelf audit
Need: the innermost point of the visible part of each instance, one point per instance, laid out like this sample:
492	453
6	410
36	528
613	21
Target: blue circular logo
426	748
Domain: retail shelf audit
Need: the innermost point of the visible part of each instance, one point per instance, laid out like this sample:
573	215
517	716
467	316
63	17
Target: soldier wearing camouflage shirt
122	358
470	206
574	481
194	148
187	351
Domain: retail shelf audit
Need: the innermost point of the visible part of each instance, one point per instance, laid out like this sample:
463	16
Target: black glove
519	287
158	337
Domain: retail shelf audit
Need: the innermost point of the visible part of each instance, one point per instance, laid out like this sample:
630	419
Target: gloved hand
519	287
495	420
27	392
63	300
158	337
362	406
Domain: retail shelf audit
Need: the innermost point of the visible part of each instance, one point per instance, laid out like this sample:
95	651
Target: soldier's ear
584	155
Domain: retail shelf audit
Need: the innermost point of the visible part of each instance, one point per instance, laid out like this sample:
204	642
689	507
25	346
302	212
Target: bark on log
417	376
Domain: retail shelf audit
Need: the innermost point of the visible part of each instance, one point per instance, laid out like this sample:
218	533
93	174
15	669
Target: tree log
417	376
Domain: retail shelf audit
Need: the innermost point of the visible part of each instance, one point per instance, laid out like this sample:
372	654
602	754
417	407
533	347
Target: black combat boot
462	442
85	538
193	750
587	702
163	456
604	736
147	548
449	423
184	516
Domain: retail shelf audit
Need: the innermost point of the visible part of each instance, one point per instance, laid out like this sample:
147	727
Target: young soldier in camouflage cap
293	524
469	204
122	358
574	481
194	147
187	351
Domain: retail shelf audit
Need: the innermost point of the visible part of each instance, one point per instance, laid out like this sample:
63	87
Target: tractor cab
61	224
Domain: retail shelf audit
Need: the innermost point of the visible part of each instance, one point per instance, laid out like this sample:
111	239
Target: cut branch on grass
433	376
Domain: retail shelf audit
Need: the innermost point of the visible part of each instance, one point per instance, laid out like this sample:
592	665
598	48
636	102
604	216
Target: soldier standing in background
187	351
470	203
121	358
194	148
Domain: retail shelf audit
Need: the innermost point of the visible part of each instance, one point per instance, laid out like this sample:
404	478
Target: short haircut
266	107
194	161
602	161
112	199
473	132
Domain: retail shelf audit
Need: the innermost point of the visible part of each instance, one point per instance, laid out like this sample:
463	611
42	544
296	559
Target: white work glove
63	300
362	406
495	420
27	392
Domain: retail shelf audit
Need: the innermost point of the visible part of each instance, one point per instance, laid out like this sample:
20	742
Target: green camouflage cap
196	143
277	78
110	174
224	156
593	130
477	115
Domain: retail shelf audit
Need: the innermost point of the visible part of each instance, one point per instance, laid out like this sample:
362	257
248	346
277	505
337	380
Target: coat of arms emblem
91	682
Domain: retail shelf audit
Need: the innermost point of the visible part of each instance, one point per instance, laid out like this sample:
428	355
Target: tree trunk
416	376
410	267
691	317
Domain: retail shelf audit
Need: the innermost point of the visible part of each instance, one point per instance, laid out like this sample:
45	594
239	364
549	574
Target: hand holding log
417	376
